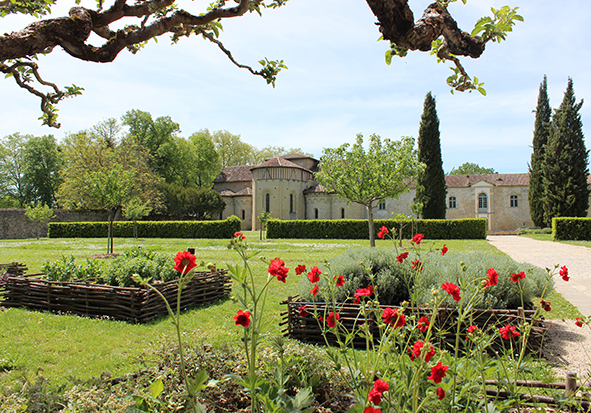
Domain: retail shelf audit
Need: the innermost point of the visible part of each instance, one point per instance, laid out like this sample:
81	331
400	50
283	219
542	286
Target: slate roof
296	155
465	181
279	162
243	192
234	174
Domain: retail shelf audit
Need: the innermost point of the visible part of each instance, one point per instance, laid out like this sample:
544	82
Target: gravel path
569	346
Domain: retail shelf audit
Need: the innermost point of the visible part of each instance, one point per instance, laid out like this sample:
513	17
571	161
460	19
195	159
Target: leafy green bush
65	269
578	229
470	228
149	265
381	263
390	276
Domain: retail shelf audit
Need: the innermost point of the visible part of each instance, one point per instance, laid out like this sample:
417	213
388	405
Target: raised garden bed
308	329
131	304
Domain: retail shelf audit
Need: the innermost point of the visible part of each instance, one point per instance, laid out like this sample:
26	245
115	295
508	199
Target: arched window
267	202
315	213
452	202
342	213
382	205
482	202
243	215
291	206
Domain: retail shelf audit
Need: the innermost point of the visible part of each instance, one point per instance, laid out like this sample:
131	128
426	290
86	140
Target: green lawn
63	345
548	237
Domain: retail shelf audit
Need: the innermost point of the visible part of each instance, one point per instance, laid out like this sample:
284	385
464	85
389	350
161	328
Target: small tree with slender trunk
384	171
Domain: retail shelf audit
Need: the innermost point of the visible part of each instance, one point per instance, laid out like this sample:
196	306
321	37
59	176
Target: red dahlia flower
314	275
508	332
492	278
579	322
383	232
278	269
418	238
363	292
564	273
418	348
440	393
184	262
545	305
381	386
374	396
402	257
444	249
300	269
242	318
314	290
393	318
452	290
331	320
423	324
517	277
302	311
371	409
438	372
340	280
239	235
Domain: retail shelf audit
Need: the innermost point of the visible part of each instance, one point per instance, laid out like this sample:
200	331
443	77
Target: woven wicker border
308	329
131	304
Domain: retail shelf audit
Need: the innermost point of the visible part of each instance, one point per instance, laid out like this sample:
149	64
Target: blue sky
337	84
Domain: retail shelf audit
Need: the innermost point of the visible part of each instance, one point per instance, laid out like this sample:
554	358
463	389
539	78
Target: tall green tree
566	162
431	190
231	149
158	137
541	134
207	161
469	168
96	176
41	169
12	167
367	177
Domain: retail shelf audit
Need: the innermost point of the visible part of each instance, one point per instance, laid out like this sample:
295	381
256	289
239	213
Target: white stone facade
286	188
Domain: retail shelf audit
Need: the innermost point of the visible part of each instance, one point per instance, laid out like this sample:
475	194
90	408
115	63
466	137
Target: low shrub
147	229
381	263
390	276
440	269
470	228
149	265
575	229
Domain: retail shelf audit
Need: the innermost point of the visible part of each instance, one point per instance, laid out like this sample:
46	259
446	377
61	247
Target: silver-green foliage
392	279
389	275
440	269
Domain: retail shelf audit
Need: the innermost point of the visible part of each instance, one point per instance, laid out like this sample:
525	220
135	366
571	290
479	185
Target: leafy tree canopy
363	176
469	168
435	31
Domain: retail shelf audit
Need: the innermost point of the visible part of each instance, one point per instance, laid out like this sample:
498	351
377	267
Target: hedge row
147	229
470	228
571	229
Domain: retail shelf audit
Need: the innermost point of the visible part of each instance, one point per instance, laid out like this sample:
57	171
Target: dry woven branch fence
131	304
307	328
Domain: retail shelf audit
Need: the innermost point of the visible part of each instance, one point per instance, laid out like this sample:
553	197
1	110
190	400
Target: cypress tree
565	164
431	190
541	132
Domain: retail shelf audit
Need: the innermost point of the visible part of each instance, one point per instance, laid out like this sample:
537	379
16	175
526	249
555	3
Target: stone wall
14	224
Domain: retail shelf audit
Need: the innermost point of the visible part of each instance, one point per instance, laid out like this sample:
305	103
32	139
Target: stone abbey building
285	187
